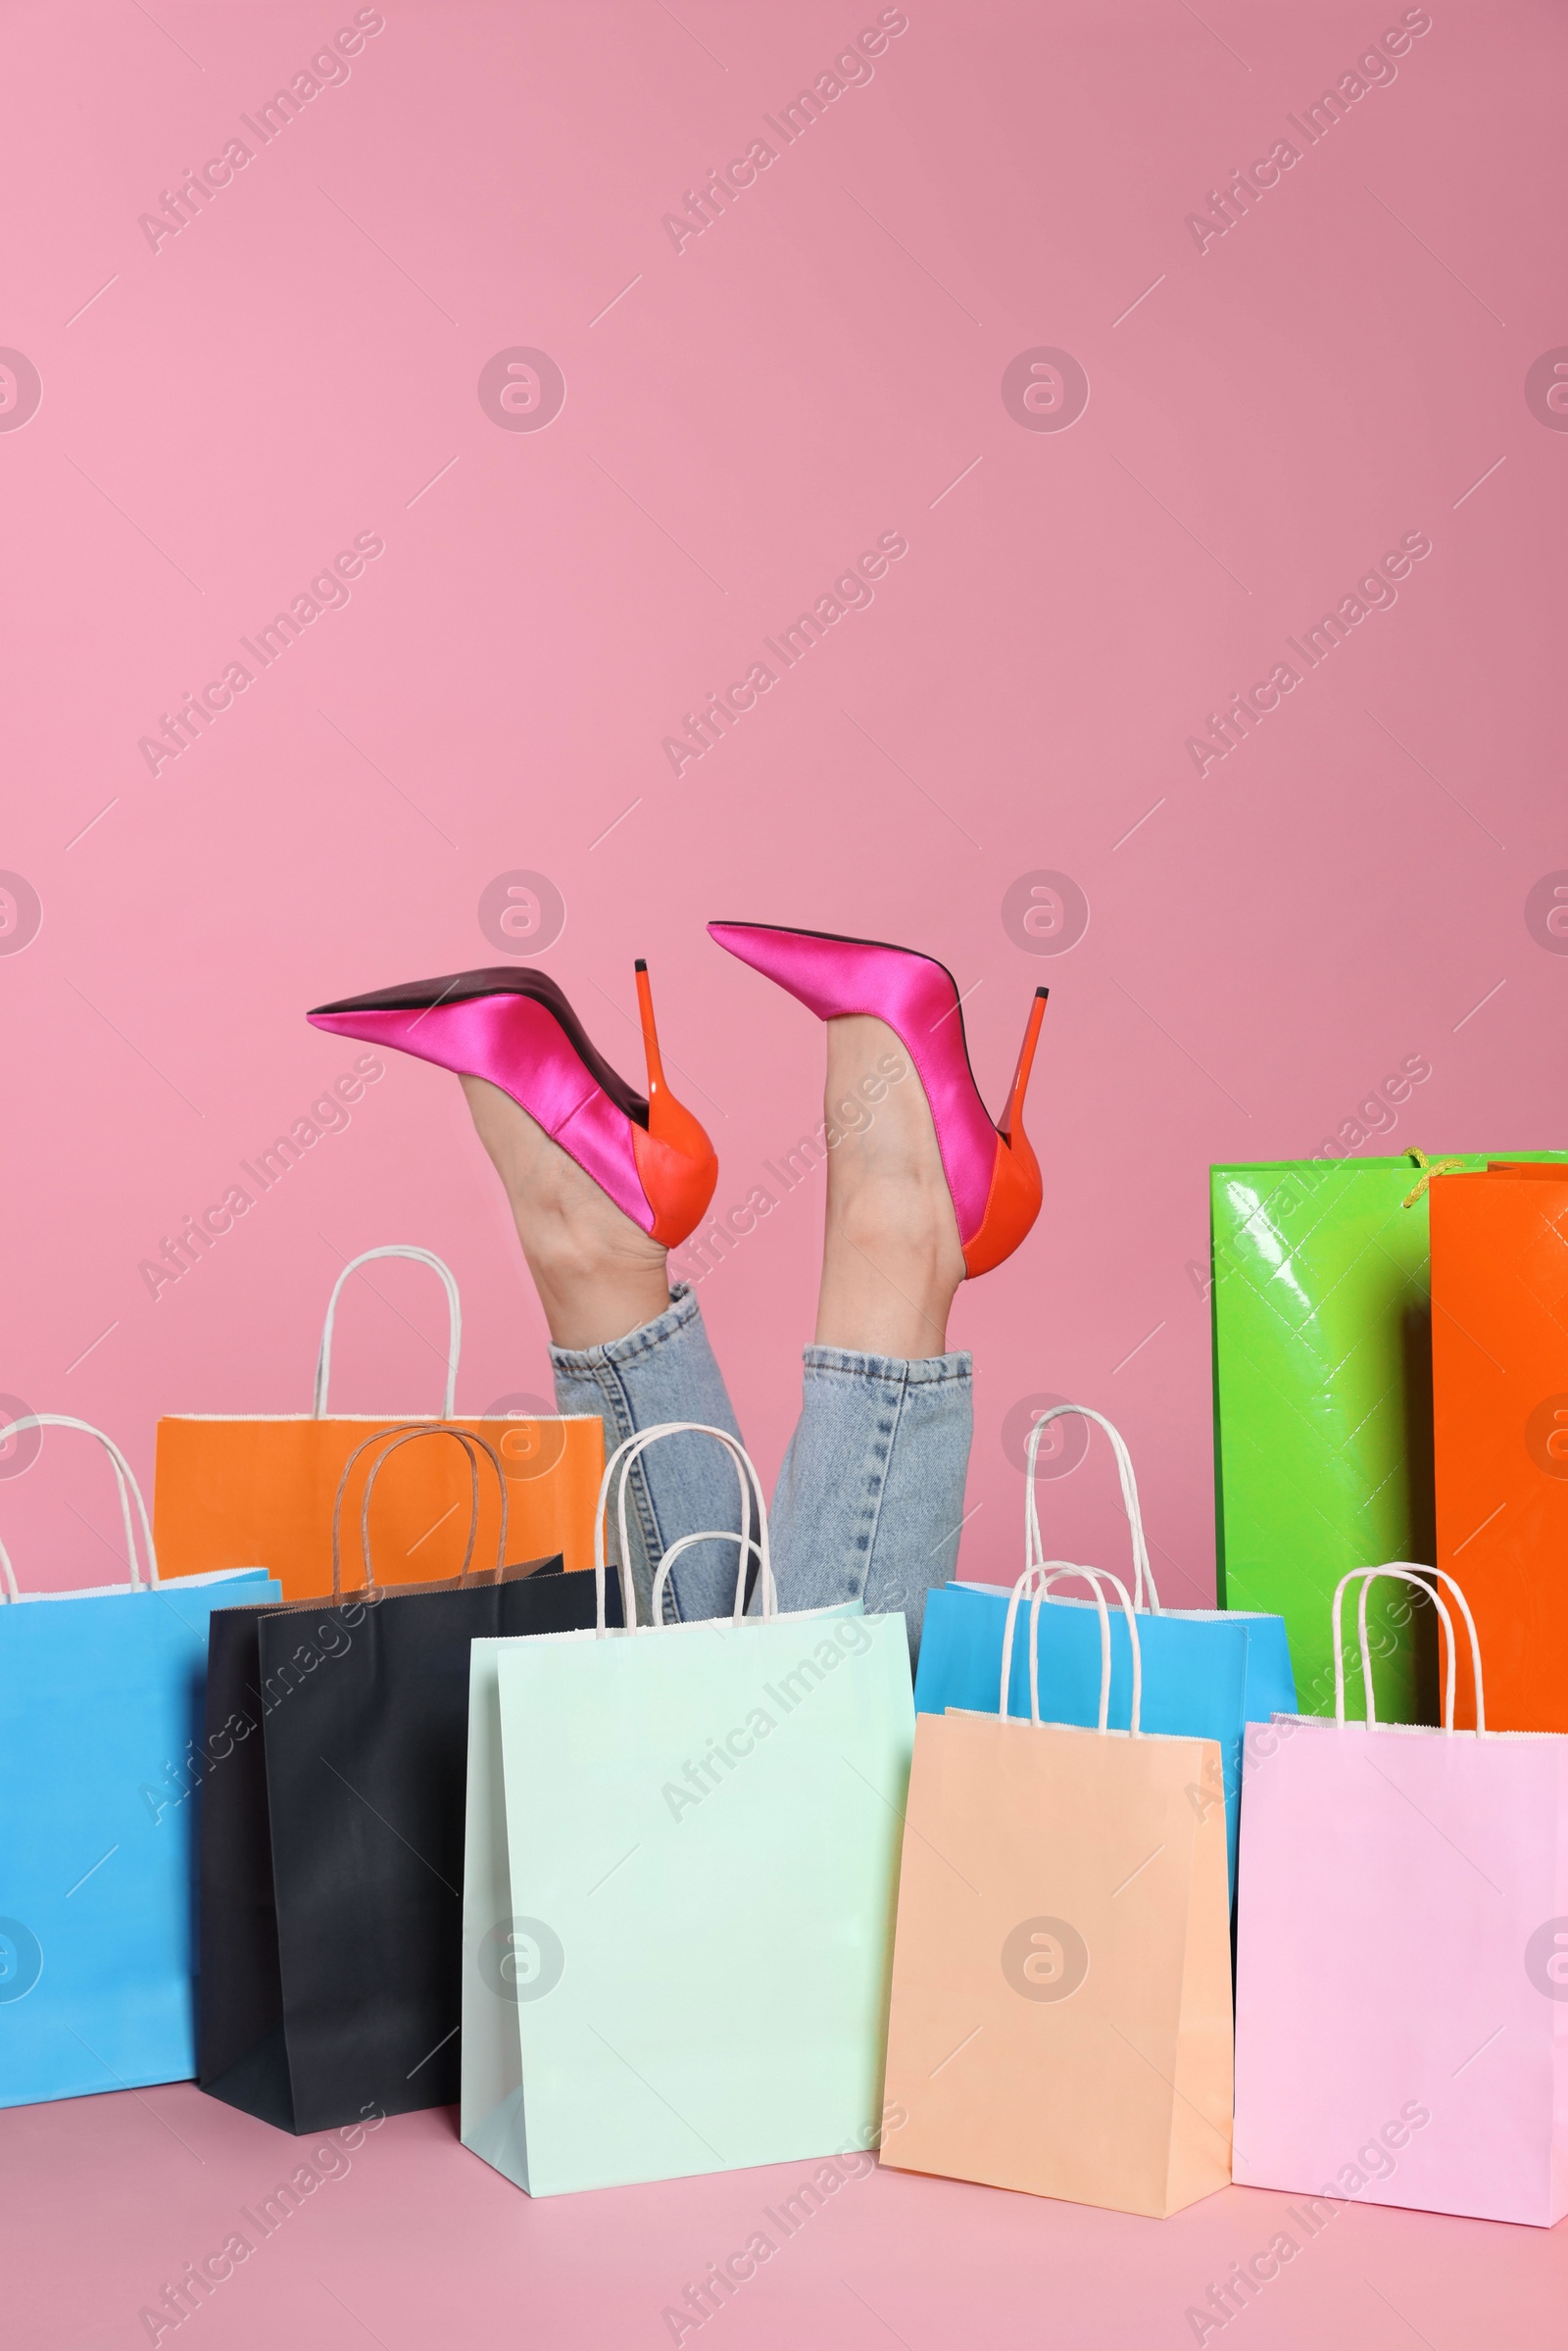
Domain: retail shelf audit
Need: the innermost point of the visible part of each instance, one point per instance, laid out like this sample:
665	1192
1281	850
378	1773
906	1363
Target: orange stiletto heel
675	1161
1013	1201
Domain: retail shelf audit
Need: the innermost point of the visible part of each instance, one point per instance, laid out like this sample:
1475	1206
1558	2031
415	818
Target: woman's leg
870	1496
665	1370
625	1348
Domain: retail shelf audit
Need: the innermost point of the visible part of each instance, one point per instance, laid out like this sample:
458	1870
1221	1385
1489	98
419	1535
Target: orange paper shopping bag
1062	1976
260	1490
1499	1411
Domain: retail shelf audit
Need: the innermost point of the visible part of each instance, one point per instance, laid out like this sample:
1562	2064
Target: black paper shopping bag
331	1843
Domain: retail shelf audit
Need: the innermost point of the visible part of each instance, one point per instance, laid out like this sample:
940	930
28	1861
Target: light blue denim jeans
869	1499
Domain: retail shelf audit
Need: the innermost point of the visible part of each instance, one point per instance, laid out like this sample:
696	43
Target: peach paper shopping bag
1061	1981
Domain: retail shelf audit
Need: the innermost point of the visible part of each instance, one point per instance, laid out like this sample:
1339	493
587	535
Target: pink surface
1009	746
105	2201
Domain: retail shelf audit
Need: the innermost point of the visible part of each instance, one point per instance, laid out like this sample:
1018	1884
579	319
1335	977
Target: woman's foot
514	1027
992	1174
598	1274
892	1259
602	1180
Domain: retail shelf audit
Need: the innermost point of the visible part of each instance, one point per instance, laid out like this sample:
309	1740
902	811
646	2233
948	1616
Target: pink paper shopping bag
1401	1994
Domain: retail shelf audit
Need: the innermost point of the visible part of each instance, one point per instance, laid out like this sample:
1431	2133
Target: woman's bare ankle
594	1305
892	1260
598	1274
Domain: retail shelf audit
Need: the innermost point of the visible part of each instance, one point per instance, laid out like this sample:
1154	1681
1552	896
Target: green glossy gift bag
1322	1325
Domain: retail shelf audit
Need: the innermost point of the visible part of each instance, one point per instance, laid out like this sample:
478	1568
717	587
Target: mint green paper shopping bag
1322	1335
680	1878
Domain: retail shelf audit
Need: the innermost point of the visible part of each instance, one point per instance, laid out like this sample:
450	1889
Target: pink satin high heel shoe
514	1027
992	1172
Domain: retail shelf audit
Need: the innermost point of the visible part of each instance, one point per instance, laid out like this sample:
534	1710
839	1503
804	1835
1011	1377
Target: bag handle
124	1477
714	1535
1034	1547
405	1433
1429	1168
420	1257
1040	1577
1403	1572
469	1439
625	1458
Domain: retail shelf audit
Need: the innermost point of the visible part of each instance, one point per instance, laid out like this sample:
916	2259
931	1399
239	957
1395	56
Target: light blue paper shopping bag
1206	1672
681	1870
101	1696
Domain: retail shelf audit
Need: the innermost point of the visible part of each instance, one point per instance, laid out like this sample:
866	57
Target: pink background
299	364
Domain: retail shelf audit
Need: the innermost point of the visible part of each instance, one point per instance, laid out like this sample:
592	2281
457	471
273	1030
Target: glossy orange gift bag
1060	2016
1499	1411
259	1491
